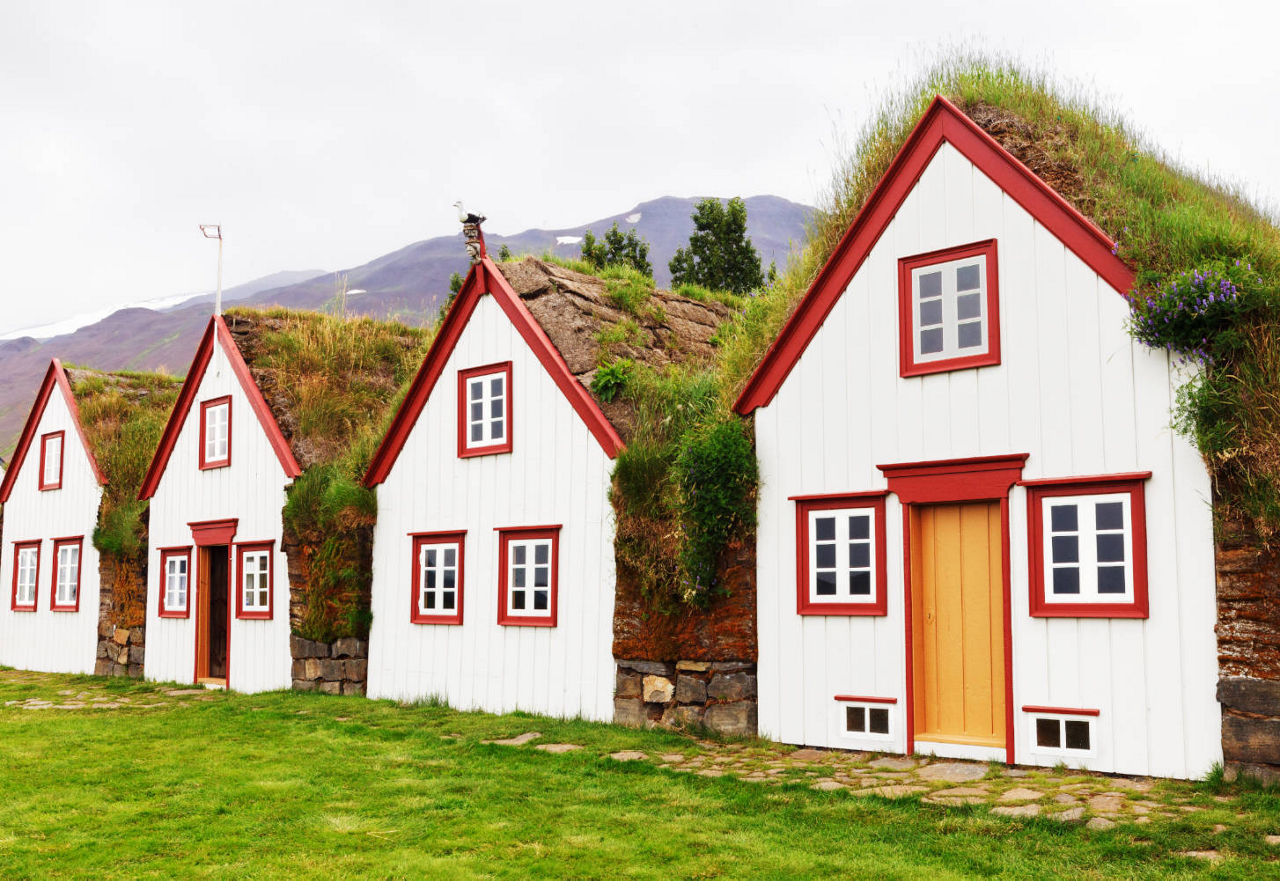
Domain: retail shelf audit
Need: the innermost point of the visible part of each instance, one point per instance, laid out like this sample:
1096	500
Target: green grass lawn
304	785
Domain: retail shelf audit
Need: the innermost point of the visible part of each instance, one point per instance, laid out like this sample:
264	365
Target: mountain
408	284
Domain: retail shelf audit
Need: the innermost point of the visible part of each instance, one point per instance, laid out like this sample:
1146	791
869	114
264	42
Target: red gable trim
942	122
54	376
483	278
216	331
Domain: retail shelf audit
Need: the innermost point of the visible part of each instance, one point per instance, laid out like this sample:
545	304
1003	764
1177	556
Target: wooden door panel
958	623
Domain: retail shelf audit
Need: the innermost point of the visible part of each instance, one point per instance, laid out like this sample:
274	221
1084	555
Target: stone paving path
96	696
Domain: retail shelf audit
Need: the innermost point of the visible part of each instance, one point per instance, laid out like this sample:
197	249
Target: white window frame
949	298
51	478
1062	750
261	569
67	580
176	583
843	567
842	710
25	594
486	401
439	572
1087	562
528	570
217	432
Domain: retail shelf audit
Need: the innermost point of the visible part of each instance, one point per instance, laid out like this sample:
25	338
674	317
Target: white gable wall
1075	392
252	489
45	640
556	474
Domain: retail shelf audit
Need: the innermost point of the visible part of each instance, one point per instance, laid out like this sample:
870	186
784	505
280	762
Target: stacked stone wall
122	632
338	667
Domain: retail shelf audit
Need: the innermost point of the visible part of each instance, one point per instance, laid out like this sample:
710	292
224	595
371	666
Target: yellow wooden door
957	623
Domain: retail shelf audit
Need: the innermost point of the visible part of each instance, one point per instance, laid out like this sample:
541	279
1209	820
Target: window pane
970	335
429	600
517	554
1077	734
1110	579
860	527
431	579
1048	733
540	600
495	386
968	278
541	553
855	719
930	285
1111	548
824	528
859	554
450	577
1063	518
930	313
879	721
495	428
1066	580
541	576
826	584
517	577
517	600
860	584
477	412
477	432
495	408
448	601
476	391
1110	515
431	556
825	556
1066	549
450	556
968	306
931	341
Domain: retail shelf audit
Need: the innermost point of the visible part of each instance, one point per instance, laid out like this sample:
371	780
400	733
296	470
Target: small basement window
215	433
484	410
865	716
1064	734
437	578
51	460
840	546
949	309
1088	547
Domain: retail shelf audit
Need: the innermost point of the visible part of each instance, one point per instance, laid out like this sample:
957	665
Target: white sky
323	134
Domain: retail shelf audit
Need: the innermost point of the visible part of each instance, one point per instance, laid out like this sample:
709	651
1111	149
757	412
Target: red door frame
948	481
205	534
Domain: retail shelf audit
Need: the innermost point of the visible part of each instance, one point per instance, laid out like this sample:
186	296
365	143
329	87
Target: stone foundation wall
122	649
1248	631
719	695
339	667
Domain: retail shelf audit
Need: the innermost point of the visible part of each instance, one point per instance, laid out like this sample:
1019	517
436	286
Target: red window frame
58	545
62	455
465	451
807	504
35	590
165	555
250	547
527	533
416	615
908	366
1037	492
205	406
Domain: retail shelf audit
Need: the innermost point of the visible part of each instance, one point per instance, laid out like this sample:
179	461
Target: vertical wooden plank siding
251	489
556	473
45	640
1075	393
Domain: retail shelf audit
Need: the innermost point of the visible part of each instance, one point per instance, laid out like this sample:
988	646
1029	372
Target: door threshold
212	683
970	751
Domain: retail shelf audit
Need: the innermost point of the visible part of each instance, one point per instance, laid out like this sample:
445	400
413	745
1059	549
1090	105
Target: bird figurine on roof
466	217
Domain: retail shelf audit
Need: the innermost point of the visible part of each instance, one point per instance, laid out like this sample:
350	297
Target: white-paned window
255	582
175	582
484	410
216	419
842	555
66	585
438	579
1061	734
51	460
950	309
529	578
26	575
1088	548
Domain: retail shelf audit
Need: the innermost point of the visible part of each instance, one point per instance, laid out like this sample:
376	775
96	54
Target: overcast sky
324	134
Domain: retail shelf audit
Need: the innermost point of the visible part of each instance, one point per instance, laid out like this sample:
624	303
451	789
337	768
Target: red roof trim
943	121
483	278
55	375
217	329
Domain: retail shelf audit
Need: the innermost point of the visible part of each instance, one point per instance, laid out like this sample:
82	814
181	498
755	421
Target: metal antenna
214	231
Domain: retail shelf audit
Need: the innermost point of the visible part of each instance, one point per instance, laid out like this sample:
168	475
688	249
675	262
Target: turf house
259	560
74	540
494	571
